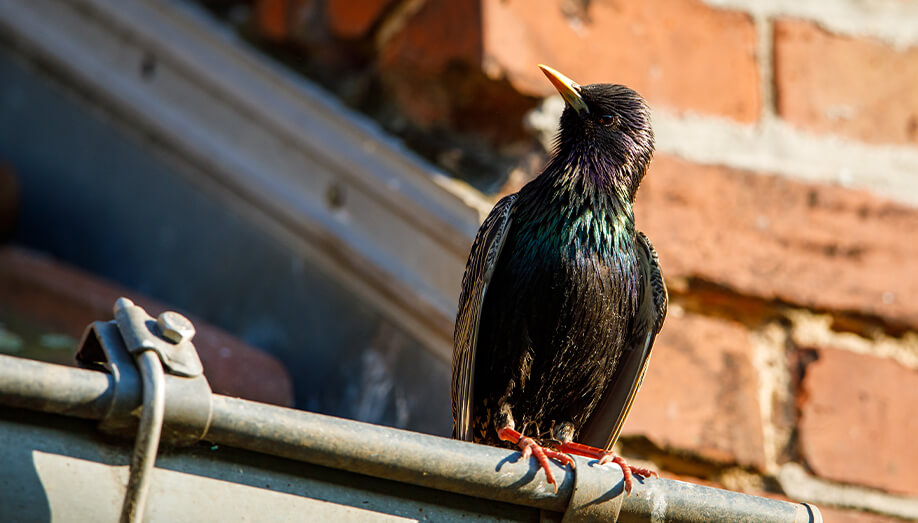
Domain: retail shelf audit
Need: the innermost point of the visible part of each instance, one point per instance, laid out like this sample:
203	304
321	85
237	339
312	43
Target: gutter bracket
114	347
598	492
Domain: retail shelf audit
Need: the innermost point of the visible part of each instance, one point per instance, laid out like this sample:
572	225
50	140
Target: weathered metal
258	131
404	458
590	492
167	345
55	389
113	346
175	327
141	333
56	468
149	430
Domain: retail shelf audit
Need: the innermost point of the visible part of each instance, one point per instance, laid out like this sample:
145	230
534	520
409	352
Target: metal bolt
175	327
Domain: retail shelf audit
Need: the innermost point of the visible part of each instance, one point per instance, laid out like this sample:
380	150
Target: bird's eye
609	120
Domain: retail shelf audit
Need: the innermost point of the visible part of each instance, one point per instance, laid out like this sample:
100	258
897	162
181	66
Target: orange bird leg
529	447
606	456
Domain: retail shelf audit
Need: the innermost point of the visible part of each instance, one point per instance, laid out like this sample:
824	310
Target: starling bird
562	297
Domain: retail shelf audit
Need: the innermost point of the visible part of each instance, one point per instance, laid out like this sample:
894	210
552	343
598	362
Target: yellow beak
568	89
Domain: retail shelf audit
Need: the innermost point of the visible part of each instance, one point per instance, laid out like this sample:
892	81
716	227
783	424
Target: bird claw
628	471
611	457
526	449
529	447
607	456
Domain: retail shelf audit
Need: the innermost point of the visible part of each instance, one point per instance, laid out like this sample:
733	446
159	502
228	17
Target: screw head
175	327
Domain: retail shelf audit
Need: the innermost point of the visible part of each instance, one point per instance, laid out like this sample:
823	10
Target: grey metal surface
58	469
158	346
108	192
450	466
592	485
480	471
141	332
116	347
146	446
101	347
690	503
394	237
403	456
56	389
175	327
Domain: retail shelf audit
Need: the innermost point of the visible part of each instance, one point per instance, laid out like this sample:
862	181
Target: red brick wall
792	336
857	87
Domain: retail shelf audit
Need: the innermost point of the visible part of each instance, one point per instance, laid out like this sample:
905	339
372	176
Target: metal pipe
145	447
57	389
418	459
399	455
470	469
667	500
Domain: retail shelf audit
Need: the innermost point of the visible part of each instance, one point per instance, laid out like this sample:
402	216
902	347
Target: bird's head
606	129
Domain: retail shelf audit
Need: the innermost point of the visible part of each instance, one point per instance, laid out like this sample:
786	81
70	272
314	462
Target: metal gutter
321	178
259	133
589	492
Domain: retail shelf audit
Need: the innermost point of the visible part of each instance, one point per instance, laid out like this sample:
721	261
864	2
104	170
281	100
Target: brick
816	246
857	87
678	53
431	70
443	73
66	300
353	18
431	39
414	61
271	18
275	19
858	420
701	392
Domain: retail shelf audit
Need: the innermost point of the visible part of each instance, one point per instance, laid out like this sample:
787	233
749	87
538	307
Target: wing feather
478	271
606	422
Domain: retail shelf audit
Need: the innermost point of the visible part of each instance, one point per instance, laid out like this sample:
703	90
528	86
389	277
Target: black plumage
562	297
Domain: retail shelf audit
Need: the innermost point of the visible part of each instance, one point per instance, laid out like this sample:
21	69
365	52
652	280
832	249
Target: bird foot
607	456
529	447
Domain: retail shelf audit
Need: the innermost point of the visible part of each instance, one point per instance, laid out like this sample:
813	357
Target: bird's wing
478	271
605	424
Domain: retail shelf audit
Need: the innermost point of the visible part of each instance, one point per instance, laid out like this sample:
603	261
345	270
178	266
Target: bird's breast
571	277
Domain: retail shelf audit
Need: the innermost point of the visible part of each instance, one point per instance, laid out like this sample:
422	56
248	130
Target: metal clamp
596	496
113	347
176	406
169	336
